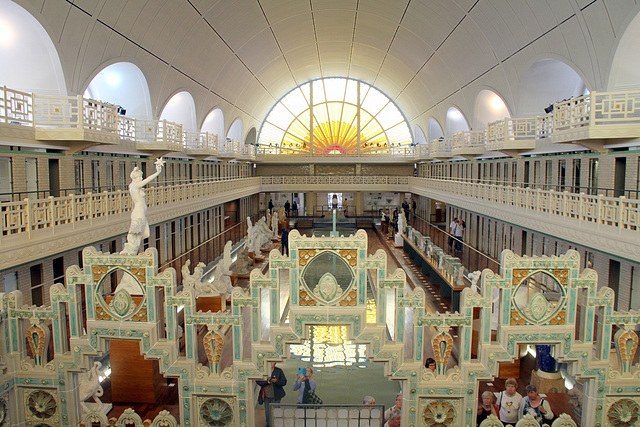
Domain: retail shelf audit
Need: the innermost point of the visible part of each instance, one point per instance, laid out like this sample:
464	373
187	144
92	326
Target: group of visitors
510	406
456	234
289	209
272	390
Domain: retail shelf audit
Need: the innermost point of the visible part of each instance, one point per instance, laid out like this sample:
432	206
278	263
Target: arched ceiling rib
244	55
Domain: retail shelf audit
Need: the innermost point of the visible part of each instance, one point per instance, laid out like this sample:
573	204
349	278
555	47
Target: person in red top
488	407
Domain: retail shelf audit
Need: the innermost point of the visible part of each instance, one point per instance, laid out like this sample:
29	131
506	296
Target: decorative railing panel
16	107
617	212
571	113
35	214
615	108
74	112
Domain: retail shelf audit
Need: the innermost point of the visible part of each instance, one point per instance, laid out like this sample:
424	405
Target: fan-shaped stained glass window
334	116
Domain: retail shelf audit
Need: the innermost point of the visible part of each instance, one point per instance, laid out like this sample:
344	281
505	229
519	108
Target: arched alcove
419	136
235	131
545	82
434	130
181	109
250	139
456	122
214	123
123	84
489	107
625	67
29	59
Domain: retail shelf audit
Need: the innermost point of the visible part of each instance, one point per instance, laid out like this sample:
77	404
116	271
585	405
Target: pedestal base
398	241
548	382
212	304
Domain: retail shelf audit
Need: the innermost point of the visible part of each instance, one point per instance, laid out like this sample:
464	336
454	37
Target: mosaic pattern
624	413
41	405
439	413
216	413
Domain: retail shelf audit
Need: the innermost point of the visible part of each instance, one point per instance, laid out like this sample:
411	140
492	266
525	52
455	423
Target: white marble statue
269	216
264	234
274	226
460	276
189	280
250	236
139	228
242	266
89	387
221	283
402	222
474	277
226	259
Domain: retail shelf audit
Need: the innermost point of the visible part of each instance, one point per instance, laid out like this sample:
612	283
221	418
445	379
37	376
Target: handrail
76	112
33	214
618	212
30	215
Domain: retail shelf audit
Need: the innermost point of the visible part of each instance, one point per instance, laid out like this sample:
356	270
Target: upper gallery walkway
593	121
36	228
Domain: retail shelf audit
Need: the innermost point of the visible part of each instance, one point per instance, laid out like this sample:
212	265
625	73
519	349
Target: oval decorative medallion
122	303
328	288
538	307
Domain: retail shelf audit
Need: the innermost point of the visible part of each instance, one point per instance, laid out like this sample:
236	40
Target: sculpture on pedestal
139	228
274	226
89	387
242	266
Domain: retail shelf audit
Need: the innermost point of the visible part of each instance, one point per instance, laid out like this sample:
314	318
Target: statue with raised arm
139	228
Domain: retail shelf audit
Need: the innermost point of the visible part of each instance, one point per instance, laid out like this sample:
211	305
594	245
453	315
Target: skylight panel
295	101
389	116
318	92
374	101
335	89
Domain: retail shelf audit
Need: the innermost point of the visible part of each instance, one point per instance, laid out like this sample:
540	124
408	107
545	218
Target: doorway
54	177
619	176
31	171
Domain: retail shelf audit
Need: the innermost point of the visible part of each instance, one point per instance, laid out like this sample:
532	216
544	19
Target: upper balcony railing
16	107
440	148
618	212
596	116
308	180
74	112
30	215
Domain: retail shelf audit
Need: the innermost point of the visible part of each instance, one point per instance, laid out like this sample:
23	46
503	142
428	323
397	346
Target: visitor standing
487	407
272	390
284	239
305	384
509	402
459	235
287	207
452	232
535	405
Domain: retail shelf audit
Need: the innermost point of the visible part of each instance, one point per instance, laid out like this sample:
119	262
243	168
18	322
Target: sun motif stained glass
334	116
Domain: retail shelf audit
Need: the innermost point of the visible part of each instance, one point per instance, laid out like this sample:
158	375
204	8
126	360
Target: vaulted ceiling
243	55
